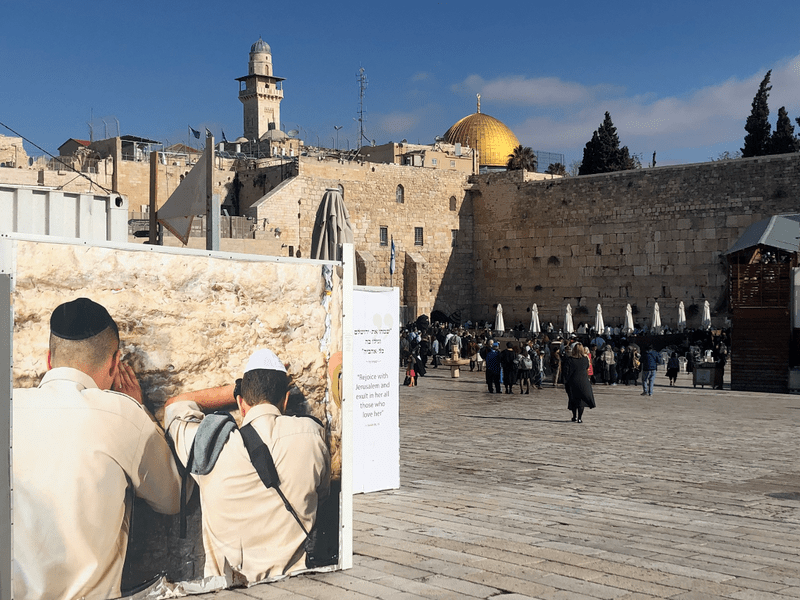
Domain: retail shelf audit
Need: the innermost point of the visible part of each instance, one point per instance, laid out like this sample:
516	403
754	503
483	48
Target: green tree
783	140
522	159
556	169
756	142
602	153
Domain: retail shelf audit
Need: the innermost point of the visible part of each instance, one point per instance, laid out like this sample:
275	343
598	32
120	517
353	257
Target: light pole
337	128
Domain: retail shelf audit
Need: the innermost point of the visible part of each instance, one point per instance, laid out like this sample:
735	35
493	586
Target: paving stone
666	500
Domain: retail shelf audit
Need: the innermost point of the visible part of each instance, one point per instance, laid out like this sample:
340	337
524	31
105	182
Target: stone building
260	93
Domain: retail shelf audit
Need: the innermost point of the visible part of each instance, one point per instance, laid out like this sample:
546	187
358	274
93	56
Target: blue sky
677	77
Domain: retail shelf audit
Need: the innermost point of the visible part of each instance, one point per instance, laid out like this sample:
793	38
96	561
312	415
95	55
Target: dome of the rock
490	136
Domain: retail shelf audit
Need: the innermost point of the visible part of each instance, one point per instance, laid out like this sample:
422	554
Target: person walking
673	366
650	361
576	382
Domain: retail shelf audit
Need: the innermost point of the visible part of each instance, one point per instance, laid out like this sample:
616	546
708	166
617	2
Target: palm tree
522	158
556	168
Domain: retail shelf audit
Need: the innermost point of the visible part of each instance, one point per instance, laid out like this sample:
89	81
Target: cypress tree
757	140
783	140
602	153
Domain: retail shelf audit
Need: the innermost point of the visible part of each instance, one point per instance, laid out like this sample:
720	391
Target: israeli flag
391	261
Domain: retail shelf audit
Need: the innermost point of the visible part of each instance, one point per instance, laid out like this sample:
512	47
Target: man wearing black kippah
80	451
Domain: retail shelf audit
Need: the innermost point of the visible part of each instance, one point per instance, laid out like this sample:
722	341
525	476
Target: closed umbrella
706	323
535	326
628	329
599	326
681	317
568	326
499	325
332	227
656	319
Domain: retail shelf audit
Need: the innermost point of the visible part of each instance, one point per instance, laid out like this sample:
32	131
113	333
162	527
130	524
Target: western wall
638	237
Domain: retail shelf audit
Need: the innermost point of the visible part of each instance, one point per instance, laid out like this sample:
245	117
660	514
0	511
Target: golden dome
491	137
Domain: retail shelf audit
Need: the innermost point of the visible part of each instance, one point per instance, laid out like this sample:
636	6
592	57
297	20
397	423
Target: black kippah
79	320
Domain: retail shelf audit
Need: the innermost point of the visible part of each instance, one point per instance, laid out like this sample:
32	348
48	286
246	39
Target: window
454	237
400	194
384	236
418	236
452	164
434	162
452	203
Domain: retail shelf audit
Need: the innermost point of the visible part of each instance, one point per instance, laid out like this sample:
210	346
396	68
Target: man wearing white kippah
254	523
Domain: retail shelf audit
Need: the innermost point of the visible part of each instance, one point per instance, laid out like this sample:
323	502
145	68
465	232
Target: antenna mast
362	87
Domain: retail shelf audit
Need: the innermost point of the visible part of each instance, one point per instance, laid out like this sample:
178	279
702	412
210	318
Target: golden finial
479	102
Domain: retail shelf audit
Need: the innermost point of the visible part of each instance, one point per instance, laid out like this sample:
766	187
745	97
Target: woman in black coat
576	382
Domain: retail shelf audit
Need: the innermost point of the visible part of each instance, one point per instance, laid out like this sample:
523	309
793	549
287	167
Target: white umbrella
535	326
656	328
599	326
628	329
681	317
706	315
499	325
568	326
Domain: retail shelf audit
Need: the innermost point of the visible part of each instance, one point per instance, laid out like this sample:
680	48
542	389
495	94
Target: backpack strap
261	458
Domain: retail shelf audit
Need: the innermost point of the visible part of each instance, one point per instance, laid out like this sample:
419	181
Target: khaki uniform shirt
246	527
79	454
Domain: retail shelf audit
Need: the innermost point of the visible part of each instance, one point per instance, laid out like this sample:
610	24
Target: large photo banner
205	453
376	407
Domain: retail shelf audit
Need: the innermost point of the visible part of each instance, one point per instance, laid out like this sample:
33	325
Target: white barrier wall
189	320
44	211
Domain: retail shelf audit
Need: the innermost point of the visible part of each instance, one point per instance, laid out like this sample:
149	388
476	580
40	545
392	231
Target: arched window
400	194
452	202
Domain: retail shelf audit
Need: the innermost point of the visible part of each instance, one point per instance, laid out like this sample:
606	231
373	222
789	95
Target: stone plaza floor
691	493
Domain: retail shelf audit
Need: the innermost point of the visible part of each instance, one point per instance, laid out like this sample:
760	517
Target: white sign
376	406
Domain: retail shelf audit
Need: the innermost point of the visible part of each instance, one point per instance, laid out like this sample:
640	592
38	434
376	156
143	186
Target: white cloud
542	91
707	117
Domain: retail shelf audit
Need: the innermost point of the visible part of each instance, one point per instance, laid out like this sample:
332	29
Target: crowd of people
576	362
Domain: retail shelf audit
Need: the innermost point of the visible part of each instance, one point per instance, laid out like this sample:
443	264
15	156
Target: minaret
260	93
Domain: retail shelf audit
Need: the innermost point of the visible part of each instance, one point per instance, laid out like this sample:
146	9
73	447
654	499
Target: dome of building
260	46
490	136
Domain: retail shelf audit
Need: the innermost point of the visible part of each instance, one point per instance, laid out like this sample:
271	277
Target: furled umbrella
599	326
535	326
568	326
706	323
332	227
681	317
656	328
628	329
499	324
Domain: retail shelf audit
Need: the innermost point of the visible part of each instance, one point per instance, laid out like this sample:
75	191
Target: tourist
524	369
411	374
608	362
650	361
576	382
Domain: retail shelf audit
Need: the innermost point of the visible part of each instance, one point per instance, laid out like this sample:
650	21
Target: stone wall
12	152
434	200
632	237
187	321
